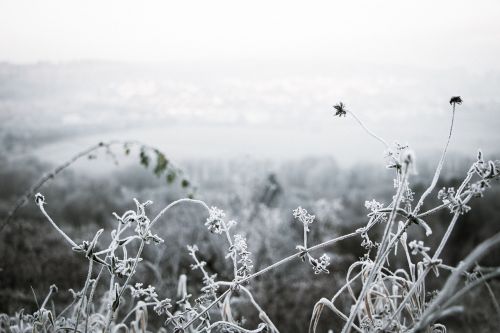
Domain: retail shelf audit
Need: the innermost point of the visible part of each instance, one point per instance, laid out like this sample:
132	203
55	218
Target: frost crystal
148	293
304	217
320	266
239	248
418	247
162	306
373	205
240	243
453	201
215	220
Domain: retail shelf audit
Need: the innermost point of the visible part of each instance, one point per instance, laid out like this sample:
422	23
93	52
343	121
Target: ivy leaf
161	163
144	158
171	176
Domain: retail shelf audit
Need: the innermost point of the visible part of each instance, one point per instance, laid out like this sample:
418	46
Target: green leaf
161	163
144	158
171	175
185	183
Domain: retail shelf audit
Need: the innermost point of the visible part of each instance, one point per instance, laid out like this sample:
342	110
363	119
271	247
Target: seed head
456	100
340	110
39	199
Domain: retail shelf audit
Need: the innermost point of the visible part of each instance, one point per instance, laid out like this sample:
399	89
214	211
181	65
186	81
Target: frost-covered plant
393	299
319	265
386	296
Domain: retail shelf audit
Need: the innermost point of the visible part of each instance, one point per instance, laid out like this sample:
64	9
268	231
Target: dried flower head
303	216
453	201
148	293
214	221
373	205
418	247
162	306
456	100
340	110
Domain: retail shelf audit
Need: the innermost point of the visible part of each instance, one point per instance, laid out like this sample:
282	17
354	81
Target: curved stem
84	292
448	289
428	269
59	230
376	137
135	308
174	203
258	308
91	296
439	167
22	200
190	322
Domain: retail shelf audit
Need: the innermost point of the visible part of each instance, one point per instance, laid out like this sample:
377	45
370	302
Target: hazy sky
436	34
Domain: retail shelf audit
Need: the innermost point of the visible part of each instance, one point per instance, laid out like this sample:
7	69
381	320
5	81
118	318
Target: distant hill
213	109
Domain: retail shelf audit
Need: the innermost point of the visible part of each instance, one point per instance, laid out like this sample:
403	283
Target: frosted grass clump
385	295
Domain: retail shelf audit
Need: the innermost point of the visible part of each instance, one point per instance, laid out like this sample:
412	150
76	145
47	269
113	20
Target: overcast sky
434	34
